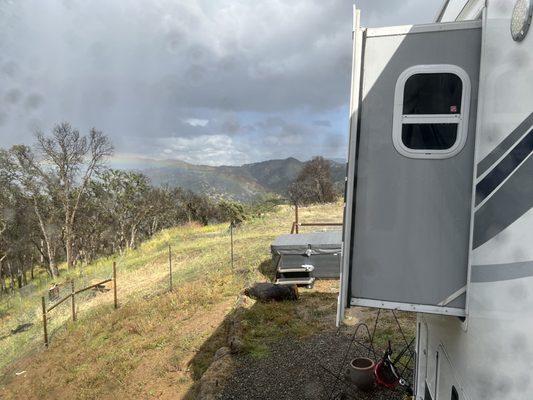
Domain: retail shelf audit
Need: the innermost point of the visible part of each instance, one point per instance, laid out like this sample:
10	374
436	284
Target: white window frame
461	119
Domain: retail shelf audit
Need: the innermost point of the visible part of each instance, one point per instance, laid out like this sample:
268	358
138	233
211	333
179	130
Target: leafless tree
66	163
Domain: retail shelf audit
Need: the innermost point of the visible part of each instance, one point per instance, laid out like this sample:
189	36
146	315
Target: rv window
429	136
432	94
431	111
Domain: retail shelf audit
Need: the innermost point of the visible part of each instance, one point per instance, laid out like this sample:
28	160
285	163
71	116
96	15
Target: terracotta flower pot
361	373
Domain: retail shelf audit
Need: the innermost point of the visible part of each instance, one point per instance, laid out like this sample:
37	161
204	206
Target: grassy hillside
158	344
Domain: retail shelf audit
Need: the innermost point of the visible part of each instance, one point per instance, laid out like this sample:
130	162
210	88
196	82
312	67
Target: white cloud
196	122
205	150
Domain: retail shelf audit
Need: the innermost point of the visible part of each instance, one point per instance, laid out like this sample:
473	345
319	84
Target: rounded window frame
461	118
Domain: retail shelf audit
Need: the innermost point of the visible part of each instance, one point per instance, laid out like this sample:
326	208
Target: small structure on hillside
53	292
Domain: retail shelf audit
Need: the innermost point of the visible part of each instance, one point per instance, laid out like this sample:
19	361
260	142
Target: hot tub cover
318	242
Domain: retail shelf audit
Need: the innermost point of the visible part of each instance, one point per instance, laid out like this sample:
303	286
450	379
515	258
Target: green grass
174	334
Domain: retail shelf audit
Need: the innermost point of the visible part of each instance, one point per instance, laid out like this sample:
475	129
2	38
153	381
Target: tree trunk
24	276
2	277
154	226
11	277
19	278
53	269
122	240
41	250
54	272
132	237
68	246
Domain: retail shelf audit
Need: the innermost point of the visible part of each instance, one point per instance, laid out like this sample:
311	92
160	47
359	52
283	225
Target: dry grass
158	343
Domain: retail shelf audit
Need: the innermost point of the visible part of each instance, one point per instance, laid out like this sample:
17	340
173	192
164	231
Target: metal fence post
115	283
43	302
72	294
170	266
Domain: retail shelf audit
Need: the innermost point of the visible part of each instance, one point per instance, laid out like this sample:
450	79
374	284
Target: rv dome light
521	19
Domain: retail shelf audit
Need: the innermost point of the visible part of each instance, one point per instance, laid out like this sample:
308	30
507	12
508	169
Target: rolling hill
245	183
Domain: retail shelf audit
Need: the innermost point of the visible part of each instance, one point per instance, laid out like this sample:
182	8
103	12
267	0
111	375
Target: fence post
296	217
170	266
115	283
231	236
72	294
43	302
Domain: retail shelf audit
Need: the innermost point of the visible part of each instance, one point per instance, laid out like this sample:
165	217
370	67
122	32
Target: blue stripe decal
501	272
485	164
504	168
512	200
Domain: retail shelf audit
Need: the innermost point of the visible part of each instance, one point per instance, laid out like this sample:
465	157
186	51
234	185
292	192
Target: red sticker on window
453	109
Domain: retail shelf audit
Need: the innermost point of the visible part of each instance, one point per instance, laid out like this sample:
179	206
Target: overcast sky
204	81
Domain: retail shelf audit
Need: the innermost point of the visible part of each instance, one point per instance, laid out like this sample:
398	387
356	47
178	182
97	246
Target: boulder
212	381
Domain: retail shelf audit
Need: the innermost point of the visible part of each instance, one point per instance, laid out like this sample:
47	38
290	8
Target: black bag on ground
272	292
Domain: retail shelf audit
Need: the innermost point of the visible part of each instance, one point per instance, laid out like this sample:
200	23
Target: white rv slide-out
438	214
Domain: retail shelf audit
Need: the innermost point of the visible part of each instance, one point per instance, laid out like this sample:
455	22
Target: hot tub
301	258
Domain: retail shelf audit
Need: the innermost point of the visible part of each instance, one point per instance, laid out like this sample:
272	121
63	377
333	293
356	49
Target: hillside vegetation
158	343
247	182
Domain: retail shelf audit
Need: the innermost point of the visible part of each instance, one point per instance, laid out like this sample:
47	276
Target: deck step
296	281
303	268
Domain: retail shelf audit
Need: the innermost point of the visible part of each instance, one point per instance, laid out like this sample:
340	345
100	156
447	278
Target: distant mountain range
245	183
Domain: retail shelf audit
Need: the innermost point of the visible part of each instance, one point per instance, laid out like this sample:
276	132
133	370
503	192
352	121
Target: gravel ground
296	370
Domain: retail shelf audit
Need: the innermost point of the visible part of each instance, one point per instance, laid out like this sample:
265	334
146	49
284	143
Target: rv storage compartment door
409	243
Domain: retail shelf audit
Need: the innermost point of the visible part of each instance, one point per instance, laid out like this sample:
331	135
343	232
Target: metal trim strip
423	28
421	308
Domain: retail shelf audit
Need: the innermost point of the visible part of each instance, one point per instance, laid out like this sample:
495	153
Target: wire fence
83	293
35	315
40	309
162	265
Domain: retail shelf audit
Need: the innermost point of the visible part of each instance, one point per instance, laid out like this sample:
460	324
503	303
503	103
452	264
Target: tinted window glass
455	395
432	94
429	136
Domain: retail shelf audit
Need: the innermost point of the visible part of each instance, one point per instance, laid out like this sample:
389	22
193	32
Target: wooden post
170	266
72	295
231	235
296	217
43	302
115	283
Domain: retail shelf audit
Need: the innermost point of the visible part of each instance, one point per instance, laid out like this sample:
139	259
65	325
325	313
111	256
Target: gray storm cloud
142	70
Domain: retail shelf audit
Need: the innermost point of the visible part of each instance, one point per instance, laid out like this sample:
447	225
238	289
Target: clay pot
361	373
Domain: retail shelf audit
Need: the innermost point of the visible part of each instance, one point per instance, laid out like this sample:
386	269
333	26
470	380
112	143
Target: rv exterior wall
490	354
